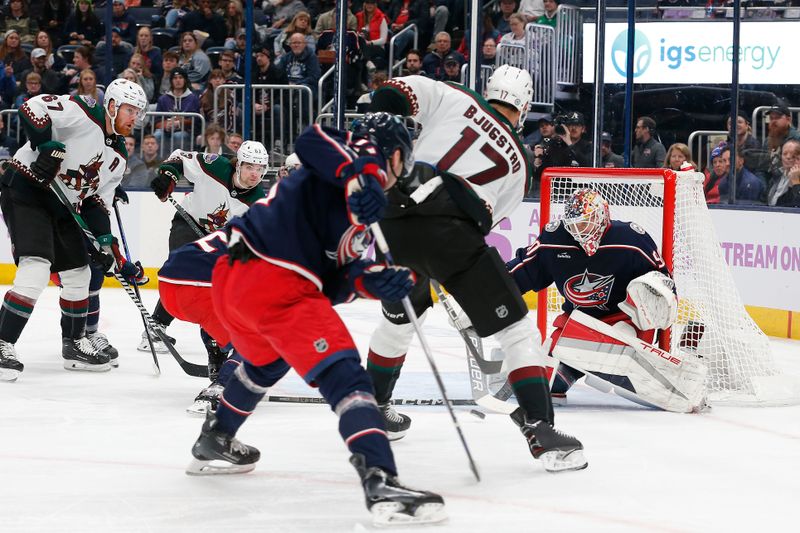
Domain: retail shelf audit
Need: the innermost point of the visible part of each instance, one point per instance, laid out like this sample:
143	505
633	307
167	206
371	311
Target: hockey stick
433	402
380	241
187	217
57	186
156	366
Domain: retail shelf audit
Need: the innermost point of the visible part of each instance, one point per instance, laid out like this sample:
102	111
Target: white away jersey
94	163
463	135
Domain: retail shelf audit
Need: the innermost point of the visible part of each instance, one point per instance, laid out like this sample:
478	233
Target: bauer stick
156	366
380	241
57	186
187	217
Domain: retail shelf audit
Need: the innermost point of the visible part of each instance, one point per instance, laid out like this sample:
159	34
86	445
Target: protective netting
712	323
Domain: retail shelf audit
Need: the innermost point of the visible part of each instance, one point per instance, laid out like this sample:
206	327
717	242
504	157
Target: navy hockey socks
244	390
531	388
93	316
384	372
73	317
14	315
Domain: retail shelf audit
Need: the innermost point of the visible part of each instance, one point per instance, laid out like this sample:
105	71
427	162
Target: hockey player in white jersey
76	140
221	189
471	173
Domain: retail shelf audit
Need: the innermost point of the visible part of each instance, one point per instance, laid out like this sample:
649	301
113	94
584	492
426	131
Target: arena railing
289	111
702	142
486	73
399	65
758	120
568	45
538	57
170	138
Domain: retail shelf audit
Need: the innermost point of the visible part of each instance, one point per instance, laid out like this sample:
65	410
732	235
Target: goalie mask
586	218
511	86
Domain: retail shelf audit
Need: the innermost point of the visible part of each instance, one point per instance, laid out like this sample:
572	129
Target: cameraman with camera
555	151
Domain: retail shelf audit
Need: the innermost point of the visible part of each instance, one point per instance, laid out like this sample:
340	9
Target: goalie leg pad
488	294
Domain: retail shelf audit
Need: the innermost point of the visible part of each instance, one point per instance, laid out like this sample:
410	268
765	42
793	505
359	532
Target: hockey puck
477	413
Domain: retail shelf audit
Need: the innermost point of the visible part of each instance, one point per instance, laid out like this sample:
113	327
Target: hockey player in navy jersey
608	269
293	255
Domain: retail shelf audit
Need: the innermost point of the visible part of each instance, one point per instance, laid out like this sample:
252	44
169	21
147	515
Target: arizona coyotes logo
588	290
217	219
352	244
86	179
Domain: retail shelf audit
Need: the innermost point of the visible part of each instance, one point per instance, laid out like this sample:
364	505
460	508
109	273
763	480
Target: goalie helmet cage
712	322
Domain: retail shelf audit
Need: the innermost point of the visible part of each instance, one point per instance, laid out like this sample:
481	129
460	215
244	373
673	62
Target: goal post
712	322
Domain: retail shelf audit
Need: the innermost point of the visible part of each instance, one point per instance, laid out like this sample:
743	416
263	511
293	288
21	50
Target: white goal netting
712	323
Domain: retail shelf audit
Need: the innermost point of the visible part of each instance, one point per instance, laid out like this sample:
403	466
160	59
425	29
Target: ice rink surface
106	452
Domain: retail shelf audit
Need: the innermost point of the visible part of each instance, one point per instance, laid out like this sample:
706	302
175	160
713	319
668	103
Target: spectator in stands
608	158
489	32
234	20
194	61
327	21
225	103
532	9
285	10
779	130
52	82
180	8
544	130
151	54
235	140
401	14
581	147
517	34
52	60
452	69
150	156
124	21
439	10
647	152
87	86
214	141
679	157
746	143
489	51
374	26
502	19
227	64
121	53
82	26
433	64
550	17
301	65
301	23
8	144
784	191
135	175
749	187
33	87
204	19
8	86
17	17
413	64
81	60
11	53
177	132
377	81
143	76
53	15
169	62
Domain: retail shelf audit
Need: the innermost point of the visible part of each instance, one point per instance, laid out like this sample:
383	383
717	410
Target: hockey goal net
712	322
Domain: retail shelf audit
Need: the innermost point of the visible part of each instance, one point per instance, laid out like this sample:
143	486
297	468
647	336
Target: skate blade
563	461
389	514
200	467
396	435
9	375
77	365
158	347
199	408
559	400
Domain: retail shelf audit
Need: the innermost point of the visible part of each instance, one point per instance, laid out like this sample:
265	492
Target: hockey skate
214	445
396	424
101	344
80	354
216	358
158	344
392	503
10	367
557	451
207	400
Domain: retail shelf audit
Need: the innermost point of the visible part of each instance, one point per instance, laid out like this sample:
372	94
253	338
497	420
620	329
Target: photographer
555	151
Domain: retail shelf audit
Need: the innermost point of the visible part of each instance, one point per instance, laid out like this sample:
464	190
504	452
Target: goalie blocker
634	368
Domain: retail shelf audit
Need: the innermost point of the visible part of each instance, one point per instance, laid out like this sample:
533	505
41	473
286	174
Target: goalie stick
57	186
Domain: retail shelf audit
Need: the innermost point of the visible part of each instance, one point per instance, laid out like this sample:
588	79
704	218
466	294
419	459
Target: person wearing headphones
648	152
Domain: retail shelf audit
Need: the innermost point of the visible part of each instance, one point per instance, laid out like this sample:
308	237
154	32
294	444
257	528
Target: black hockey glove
381	282
164	183
133	272
46	166
240	252
120	196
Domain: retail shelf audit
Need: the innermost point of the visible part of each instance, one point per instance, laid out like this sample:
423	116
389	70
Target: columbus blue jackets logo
588	290
552	226
353	243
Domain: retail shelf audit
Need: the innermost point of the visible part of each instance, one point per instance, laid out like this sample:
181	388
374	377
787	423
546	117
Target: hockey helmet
389	133
512	86
252	152
586	218
123	91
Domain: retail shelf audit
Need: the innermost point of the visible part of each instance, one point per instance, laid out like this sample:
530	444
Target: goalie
618	292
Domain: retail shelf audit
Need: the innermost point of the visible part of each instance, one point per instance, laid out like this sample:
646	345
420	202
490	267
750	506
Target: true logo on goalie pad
321	345
501	311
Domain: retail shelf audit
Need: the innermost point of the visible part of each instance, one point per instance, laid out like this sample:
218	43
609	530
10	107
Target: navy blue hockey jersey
192	263
303	224
595	284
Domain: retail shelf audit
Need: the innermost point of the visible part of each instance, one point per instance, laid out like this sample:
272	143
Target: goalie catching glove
365	181
111	258
47	164
651	302
165	182
379	281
